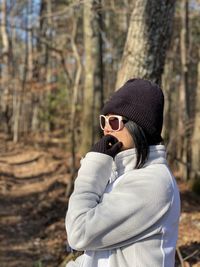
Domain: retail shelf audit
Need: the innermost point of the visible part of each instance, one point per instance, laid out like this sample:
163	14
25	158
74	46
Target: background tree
184	151
93	77
195	142
147	40
5	68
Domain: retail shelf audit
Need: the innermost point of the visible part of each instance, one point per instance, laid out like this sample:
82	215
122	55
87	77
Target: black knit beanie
142	102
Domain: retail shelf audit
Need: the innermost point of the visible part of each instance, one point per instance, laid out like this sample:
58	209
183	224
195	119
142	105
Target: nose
107	128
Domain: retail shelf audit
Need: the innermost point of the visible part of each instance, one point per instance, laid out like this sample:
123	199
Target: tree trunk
23	93
184	117
195	137
5	39
98	72
35	113
30	42
92	85
169	128
16	114
147	40
73	122
49	36
5	73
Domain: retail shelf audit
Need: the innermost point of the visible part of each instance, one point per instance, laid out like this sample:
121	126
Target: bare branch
180	257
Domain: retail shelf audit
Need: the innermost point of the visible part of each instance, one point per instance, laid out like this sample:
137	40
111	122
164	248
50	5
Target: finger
111	139
117	147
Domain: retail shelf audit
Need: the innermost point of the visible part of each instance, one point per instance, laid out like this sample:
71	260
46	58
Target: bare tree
93	86
30	40
195	161
147	40
184	145
5	71
99	69
170	119
73	126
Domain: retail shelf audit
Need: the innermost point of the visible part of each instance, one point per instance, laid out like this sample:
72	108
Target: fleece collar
126	160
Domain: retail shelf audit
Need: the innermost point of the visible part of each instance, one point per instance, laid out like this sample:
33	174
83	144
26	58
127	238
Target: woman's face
122	135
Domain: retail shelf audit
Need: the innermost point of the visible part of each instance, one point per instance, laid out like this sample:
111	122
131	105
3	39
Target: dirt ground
33	204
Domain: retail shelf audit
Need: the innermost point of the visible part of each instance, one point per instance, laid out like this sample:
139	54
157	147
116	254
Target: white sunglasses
115	122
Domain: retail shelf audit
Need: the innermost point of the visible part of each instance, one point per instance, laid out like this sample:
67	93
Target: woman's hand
108	145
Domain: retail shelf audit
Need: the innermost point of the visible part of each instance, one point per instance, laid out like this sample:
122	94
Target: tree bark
22	127
147	40
5	38
88	82
93	86
184	146
49	63
5	72
30	42
195	136
16	114
98	71
73	125
170	119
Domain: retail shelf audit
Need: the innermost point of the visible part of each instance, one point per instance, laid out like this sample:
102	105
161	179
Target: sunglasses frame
120	119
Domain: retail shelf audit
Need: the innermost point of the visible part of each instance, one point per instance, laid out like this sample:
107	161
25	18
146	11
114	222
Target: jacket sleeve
96	220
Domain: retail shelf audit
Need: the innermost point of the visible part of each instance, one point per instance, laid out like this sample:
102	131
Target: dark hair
140	142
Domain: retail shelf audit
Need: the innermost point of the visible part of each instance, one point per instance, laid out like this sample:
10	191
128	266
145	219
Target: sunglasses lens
102	122
114	123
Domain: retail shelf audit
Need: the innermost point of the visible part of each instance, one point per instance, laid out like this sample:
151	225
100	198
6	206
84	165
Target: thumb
116	147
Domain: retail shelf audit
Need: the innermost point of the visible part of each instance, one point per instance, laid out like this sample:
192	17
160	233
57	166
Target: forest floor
33	203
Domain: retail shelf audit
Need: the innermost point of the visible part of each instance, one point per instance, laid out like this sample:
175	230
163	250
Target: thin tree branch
180	257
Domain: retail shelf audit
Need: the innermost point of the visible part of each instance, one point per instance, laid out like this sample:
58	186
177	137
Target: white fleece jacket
137	221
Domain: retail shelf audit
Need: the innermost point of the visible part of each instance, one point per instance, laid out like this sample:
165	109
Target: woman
125	207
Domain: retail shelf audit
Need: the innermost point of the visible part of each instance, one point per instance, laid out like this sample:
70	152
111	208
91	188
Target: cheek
128	141
125	138
117	135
